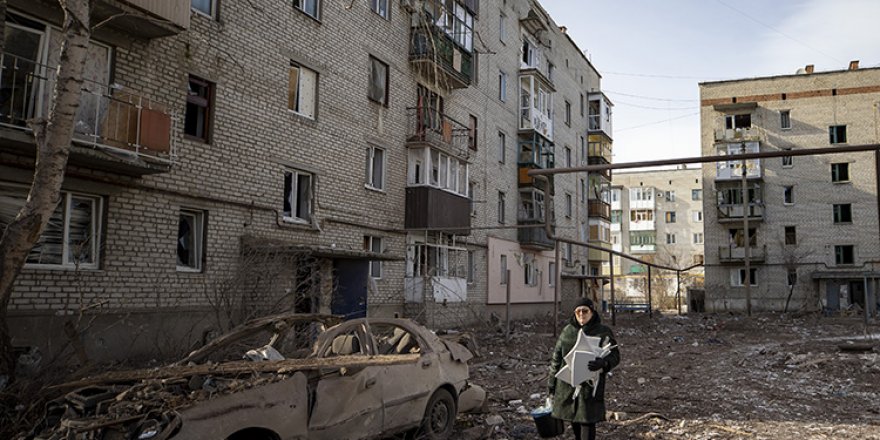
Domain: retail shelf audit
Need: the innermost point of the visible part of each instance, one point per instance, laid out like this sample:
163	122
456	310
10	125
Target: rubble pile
698	377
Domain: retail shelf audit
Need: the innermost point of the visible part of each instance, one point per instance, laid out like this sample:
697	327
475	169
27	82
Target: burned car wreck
364	378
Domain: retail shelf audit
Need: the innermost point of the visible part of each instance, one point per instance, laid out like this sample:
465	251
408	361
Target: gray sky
652	54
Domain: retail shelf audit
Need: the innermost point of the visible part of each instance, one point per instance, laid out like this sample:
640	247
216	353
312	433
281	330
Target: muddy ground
698	377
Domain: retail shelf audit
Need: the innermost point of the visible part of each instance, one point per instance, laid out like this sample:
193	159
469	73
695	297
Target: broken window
310	7
531	205
788	195
70	239
641	215
738	277
670	196
440	256
190	240
297	196
569	252
842	213
670	217
790	235
374	245
206	7
840	172
378	82
738	121
380	7
375	168
737	239
472	132
791	278
392	339
787	161
785	119
346	344
302	90
837	134
199	103
530	272
698	258
844	254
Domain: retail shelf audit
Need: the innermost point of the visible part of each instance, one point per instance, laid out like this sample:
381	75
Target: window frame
840	254
503	266
375	5
199	239
837	134
740	276
790	235
502	207
298	110
787	161
294	189
670	238
670	217
502	147
788	195
838	210
568	205
202	102
840	168
371	169
371	242
383	100
300	5
791	278
96	226
698	238
696	194
785	119
212	15
502	86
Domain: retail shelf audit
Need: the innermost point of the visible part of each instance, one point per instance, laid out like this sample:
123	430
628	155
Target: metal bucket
547	425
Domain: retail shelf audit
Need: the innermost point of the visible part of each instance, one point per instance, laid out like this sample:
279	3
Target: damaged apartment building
243	157
812	237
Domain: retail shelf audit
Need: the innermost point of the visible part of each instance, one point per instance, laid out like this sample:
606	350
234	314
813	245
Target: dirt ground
698	377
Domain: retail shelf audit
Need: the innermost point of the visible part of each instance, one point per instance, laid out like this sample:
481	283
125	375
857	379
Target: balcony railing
442	58
734	254
427	125
727	213
598	208
534	237
747	134
109	117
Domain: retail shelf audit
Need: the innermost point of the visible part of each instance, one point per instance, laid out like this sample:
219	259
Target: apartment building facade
812	220
240	156
657	216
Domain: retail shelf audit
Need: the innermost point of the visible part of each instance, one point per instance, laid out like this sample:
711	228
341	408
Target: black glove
597	364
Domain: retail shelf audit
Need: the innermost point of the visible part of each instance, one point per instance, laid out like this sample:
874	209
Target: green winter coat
585	408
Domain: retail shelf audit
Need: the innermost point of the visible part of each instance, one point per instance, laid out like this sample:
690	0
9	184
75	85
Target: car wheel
439	417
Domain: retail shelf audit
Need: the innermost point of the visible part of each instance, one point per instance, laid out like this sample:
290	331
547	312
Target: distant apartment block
812	220
657	216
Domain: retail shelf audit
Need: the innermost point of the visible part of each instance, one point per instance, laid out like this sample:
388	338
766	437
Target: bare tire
439	417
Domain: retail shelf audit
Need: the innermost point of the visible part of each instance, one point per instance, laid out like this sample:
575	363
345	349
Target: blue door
350	297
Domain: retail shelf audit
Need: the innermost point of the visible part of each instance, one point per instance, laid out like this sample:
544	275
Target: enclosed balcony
438	210
599	209
730	203
429	127
733	169
438	58
534	152
115	129
641	242
735	254
745	134
641	220
599	117
532	211
536	104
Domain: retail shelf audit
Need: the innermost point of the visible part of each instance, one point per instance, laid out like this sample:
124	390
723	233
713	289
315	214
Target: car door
406	386
347	402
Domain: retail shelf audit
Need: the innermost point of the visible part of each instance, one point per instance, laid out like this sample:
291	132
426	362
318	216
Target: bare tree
793	255
52	136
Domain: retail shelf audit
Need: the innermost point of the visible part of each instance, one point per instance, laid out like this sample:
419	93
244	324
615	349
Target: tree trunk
52	136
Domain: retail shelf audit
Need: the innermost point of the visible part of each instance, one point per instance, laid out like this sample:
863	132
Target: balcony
145	19
598	208
733	254
599	116
746	134
536	104
115	129
642	248
734	213
534	238
535	152
732	170
641	225
438	58
437	209
428	127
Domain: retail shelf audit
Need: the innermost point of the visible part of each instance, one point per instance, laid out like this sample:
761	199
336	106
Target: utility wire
778	31
656	122
650	98
650	75
629	104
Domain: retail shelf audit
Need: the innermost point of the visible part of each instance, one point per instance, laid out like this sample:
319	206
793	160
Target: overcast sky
652	54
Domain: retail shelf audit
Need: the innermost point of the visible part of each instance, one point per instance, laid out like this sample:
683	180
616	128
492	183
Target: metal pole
650	300
556	295
611	277
748	256
865	297
507	329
